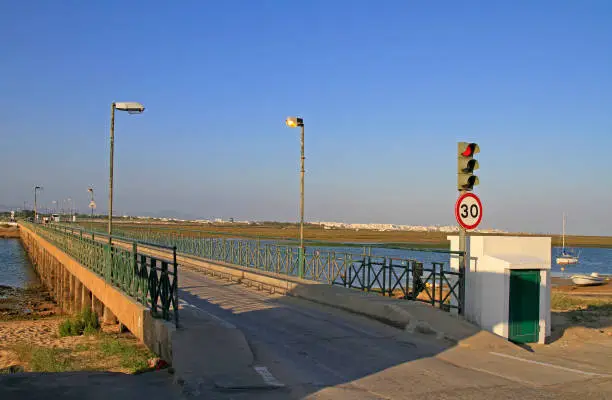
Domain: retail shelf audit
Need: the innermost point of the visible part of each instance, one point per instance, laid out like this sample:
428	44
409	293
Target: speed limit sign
468	211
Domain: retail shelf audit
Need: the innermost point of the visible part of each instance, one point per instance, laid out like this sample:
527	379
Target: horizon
214	220
385	93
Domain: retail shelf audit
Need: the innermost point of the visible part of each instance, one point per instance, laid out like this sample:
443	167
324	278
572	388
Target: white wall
487	291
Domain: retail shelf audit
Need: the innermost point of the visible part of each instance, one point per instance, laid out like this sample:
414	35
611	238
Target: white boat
588	280
566	256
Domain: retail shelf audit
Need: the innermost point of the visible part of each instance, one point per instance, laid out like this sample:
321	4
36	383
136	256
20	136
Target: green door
524	306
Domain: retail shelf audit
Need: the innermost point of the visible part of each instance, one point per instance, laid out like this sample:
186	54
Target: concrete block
78	293
97	306
86	301
108	317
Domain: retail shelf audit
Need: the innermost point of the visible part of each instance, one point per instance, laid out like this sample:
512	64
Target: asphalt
240	343
313	351
88	385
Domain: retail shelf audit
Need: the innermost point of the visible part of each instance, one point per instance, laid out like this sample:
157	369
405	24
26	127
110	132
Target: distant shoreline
316	235
10	232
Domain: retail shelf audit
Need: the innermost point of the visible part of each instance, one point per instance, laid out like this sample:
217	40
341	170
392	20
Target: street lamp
92	204
35	205
132	108
294	122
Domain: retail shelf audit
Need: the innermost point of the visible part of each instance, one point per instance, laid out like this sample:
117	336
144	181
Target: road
307	350
320	352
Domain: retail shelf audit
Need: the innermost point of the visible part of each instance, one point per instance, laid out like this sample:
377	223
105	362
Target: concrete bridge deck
242	343
301	349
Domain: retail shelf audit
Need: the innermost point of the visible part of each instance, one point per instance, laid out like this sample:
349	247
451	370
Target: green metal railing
152	281
411	279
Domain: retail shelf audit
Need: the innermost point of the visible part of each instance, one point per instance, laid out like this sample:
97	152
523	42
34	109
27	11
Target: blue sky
386	90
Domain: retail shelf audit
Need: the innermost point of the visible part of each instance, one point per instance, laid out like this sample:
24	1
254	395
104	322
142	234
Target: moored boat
566	257
588	280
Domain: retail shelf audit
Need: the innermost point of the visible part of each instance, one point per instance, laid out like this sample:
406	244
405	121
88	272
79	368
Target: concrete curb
411	316
223	359
408	315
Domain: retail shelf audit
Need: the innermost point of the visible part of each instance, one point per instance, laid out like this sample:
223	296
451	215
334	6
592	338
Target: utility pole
302	171
35	204
294	122
110	178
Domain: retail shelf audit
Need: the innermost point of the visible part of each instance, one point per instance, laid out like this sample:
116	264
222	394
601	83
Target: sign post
466	180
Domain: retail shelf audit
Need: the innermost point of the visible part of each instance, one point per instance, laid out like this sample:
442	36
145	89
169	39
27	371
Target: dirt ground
29	325
9	232
581	320
31	303
566	286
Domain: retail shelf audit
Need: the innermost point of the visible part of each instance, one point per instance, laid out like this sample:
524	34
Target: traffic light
466	164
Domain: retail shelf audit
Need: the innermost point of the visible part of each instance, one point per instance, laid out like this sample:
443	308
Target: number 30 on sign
468	211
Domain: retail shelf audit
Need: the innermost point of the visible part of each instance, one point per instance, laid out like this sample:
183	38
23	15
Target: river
15	268
591	259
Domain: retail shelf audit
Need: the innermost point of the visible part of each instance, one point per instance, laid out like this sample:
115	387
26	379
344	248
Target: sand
9	232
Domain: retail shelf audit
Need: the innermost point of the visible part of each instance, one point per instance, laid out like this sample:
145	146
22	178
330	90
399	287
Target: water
591	259
15	268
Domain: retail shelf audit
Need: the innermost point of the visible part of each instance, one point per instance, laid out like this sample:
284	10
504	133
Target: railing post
134	269
433	286
176	283
384	276
441	285
349	268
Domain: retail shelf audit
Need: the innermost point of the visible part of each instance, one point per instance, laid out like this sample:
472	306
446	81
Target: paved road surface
323	353
319	352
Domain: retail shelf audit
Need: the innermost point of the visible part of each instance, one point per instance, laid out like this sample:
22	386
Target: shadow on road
87	385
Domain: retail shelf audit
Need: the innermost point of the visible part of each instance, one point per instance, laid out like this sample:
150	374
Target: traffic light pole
463	263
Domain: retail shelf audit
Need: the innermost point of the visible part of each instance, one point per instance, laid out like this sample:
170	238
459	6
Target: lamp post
294	122
69	203
35	203
92	204
131	108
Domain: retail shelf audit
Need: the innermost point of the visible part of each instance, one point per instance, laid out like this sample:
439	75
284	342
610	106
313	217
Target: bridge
241	319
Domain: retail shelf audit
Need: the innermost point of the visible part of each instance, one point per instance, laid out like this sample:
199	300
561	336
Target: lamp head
131	107
294	122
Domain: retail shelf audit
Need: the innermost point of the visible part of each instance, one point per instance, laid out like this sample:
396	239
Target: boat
588	280
566	256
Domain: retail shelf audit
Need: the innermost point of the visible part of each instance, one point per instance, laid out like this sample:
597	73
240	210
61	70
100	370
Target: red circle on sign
458	216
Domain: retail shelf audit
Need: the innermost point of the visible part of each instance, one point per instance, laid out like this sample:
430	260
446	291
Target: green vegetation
84	323
43	359
110	353
565	302
587	311
316	235
132	357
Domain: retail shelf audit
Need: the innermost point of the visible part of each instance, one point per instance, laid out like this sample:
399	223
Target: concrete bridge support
65	291
86	301
78	293
97	305
75	287
108	317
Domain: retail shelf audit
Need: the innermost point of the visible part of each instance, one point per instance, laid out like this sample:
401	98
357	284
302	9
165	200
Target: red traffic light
470	150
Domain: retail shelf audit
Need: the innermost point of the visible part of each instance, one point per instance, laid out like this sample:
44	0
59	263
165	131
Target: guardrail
152	281
431	282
